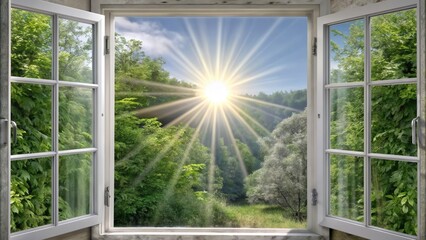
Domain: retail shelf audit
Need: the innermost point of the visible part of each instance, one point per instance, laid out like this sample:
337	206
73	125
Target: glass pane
346	52
75	51
75	185
75	118
31	44
31	109
394	45
31	193
347	119
393	108
394	195
347	187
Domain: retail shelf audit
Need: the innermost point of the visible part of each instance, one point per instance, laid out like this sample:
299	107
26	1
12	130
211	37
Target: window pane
347	119
346	52
31	109
31	193
75	51
31	44
394	45
393	108
347	187
75	118
394	195
75	185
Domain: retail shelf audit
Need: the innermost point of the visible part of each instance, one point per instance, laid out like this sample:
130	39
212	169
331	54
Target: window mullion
367	121
55	122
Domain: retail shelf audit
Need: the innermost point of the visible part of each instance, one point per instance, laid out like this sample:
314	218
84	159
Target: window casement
368	124
56	114
114	11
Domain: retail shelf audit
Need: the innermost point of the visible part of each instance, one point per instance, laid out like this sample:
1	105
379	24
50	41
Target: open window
56	109
184	149
369	142
368	169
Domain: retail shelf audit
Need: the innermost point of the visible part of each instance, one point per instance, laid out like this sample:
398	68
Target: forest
172	173
172	166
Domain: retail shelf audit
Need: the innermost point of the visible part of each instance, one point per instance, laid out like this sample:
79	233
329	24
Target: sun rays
213	108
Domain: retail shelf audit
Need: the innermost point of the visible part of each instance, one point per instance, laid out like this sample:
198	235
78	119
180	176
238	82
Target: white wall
80	4
338	5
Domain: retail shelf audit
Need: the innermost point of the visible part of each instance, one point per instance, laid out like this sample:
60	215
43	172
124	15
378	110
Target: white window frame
112	10
346	225
95	217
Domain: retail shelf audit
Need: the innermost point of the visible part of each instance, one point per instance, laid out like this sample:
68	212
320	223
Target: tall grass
261	216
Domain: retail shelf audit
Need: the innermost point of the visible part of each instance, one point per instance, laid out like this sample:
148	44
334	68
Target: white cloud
156	40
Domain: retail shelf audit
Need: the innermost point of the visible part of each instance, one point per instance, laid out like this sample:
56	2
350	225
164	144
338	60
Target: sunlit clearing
216	92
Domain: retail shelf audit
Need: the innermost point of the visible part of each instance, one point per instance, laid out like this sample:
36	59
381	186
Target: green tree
282	178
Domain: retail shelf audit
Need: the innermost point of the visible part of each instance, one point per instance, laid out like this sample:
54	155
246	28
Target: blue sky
258	54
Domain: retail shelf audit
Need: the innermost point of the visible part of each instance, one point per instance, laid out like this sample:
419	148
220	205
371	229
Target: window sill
205	234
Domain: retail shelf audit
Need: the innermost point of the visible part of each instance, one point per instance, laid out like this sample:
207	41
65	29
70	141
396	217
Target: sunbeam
257	76
164	151
200	52
234	143
268	103
252	107
159	85
239	113
195	110
255	48
172	183
167	106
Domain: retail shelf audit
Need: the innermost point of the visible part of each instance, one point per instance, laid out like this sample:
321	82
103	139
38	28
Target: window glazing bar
393	82
393	157
77	151
367	121
32	156
77	84
31	80
55	122
344	85
345	152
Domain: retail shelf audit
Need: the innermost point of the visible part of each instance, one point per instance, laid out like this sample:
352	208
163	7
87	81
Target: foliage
161	173
393	183
75	51
33	111
232	170
31	44
158	173
270	116
30	195
282	178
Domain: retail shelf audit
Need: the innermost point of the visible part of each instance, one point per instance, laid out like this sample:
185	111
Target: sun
216	92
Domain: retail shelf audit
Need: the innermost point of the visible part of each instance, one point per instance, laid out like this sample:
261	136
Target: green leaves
282	178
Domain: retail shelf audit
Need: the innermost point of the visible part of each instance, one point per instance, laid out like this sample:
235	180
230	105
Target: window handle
14	131
3	133
414	124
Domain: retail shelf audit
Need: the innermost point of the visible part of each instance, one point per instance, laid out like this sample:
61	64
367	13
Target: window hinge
314	47
107	196
107	45
314	197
